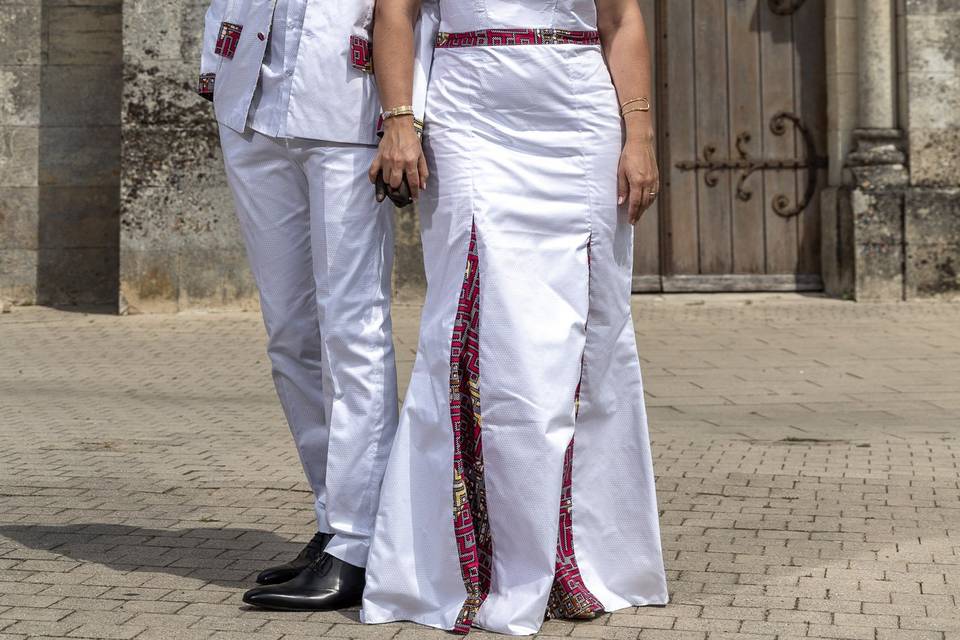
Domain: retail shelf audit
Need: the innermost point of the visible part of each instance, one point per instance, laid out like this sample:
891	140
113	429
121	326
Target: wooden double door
740	93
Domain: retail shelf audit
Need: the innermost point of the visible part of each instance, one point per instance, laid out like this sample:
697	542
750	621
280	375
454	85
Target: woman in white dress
539	150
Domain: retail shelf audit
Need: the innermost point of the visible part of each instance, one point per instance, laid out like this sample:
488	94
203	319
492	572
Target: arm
623	34
400	152
209	61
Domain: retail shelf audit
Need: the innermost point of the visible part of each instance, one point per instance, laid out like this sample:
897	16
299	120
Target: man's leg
352	240
272	199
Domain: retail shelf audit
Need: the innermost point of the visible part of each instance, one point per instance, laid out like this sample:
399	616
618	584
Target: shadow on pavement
228	557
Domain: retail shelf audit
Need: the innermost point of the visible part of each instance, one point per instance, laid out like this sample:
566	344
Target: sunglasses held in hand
400	196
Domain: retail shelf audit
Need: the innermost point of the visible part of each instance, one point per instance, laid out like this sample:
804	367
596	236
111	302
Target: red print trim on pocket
228	39
361	54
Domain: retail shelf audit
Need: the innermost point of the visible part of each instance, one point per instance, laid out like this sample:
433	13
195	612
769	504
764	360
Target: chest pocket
361	47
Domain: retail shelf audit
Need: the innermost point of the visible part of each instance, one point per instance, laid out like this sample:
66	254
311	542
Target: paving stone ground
807	455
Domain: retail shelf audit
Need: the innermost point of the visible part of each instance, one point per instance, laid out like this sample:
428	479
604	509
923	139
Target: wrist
641	134
398	122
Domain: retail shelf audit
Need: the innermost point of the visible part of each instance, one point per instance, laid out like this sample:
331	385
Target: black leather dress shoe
290	570
327	584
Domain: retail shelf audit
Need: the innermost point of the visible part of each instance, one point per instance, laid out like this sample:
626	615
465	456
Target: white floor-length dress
491	515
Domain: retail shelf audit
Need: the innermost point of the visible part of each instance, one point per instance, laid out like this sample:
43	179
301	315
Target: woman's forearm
393	50
624	37
400	156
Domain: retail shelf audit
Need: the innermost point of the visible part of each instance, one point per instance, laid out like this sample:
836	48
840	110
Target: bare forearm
400	156
624	37
393	50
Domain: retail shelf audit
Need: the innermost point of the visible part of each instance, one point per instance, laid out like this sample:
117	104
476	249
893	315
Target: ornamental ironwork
747	165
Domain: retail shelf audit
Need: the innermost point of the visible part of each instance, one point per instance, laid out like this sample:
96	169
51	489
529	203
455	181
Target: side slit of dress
471	521
569	598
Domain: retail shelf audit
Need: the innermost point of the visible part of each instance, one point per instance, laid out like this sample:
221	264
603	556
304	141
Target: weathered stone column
877	86
877	171
20	40
878	157
59	151
79	161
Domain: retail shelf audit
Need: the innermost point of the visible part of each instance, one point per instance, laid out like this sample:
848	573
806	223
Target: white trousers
321	251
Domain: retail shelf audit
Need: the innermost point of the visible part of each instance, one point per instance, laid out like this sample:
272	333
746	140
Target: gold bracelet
634	110
405	110
644	107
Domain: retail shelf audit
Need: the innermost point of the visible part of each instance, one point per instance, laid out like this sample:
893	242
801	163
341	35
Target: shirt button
261	36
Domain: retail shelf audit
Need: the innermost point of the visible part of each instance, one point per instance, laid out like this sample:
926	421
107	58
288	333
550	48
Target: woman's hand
638	180
400	154
623	35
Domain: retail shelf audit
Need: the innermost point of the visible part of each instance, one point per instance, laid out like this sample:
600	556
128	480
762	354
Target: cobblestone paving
807	455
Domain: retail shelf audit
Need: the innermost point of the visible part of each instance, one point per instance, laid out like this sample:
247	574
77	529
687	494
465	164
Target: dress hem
394	619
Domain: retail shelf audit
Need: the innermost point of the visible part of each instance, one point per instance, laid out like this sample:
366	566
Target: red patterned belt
512	37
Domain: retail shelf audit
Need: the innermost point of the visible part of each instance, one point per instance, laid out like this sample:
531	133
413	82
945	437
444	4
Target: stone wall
79	100
892	230
932	122
181	246
59	159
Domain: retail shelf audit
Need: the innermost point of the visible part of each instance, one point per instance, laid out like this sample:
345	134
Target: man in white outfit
297	107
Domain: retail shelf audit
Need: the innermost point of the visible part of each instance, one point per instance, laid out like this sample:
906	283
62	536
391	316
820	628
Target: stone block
168	157
144	41
20	33
934	100
149	281
74	276
20	95
79	217
933	39
81	95
877	217
933	242
19	281
18	218
172	218
164	94
216	278
19	156
935	157
79	156
84	34
878	244
933	215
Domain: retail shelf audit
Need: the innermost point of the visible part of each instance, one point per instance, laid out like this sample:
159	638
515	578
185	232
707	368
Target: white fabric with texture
321	251
523	142
327	97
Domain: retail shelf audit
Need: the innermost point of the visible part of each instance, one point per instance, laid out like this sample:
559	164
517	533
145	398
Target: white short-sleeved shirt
310	78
